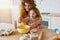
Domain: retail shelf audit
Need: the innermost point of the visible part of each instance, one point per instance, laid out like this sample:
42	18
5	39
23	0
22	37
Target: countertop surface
47	33
52	15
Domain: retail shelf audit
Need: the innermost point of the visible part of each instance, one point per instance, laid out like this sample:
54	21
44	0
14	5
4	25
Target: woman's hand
20	19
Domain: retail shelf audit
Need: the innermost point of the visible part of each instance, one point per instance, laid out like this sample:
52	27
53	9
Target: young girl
33	17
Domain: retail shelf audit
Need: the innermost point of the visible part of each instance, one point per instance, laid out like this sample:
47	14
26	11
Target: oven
46	21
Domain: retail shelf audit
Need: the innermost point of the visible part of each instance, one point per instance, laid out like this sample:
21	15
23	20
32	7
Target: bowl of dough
23	28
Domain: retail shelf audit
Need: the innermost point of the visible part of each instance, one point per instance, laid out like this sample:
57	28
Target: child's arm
39	21
36	23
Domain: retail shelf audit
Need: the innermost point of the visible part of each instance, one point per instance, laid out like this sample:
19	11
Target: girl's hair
23	12
37	12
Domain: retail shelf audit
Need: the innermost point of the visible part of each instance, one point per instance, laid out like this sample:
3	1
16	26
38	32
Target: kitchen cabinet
45	21
53	20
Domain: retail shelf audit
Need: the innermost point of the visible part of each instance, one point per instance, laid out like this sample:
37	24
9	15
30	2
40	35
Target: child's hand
34	30
32	26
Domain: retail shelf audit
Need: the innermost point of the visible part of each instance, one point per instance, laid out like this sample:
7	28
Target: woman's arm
20	19
23	20
26	20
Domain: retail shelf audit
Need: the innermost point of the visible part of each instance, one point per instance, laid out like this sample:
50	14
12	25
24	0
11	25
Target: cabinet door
55	22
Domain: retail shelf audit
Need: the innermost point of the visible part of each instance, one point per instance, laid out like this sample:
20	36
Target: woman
26	6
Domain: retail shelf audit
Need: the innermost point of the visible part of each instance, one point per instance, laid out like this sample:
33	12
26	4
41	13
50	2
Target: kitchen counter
52	20
52	15
14	36
47	33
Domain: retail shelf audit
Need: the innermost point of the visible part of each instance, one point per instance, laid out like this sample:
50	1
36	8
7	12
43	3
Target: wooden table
47	33
14	36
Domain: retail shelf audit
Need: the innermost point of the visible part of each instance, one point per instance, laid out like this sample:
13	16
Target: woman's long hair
23	12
